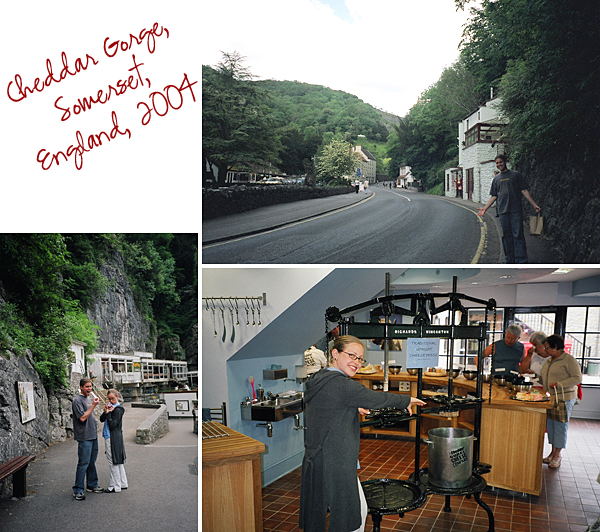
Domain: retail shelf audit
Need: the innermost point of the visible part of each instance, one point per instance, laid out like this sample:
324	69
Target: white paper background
148	182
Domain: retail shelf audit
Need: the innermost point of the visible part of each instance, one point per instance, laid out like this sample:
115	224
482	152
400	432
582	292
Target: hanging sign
422	352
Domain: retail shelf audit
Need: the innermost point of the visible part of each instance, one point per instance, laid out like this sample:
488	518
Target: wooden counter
231	483
511	435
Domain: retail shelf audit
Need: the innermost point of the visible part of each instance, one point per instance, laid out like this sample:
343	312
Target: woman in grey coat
114	444
329	469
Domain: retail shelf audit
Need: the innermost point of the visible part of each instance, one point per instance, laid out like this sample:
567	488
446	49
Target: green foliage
236	129
336	161
44	277
544	57
437	190
316	115
425	138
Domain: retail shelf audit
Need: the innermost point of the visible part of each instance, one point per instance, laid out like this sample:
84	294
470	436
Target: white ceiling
441	278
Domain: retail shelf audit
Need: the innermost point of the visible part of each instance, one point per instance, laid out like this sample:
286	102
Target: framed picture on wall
26	401
182	406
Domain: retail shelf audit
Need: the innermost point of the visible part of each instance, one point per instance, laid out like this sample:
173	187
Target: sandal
547	460
555	463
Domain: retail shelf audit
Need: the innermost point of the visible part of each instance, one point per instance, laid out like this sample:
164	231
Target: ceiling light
562	270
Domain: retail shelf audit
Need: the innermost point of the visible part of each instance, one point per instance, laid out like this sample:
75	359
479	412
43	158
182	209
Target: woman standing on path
114	444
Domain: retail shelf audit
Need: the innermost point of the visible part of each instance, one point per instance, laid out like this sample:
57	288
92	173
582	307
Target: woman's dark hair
501	156
555	341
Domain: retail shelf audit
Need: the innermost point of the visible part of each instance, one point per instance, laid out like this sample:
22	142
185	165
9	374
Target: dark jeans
87	452
513	238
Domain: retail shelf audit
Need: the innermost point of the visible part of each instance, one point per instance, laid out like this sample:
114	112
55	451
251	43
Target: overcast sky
386	52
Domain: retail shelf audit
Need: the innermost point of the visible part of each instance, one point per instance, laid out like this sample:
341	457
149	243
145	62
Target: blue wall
285	450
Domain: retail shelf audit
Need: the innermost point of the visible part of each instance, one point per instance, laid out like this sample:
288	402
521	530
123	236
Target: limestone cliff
122	327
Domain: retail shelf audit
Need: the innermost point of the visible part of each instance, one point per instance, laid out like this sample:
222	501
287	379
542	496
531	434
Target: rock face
18	438
123	328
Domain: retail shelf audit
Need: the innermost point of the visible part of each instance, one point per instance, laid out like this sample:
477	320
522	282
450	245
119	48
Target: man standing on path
85	431
505	188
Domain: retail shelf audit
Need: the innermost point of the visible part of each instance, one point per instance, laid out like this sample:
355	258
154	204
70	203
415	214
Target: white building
368	166
479	136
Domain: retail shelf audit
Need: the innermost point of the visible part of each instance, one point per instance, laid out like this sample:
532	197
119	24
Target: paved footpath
162	493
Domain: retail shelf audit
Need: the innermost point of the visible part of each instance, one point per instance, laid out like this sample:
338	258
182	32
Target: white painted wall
283	287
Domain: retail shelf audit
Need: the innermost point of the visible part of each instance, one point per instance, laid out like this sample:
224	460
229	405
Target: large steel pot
450	457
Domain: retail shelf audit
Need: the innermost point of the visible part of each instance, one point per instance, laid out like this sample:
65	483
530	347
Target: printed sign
422	352
26	401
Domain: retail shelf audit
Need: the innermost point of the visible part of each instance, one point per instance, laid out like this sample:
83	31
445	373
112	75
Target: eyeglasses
354	357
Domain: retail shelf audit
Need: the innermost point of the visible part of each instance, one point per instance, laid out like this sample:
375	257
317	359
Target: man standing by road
85	431
505	188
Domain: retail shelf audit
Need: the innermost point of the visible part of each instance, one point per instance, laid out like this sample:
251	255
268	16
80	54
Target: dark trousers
513	238
87	452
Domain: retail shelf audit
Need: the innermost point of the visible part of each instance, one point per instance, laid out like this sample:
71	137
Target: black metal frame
422	307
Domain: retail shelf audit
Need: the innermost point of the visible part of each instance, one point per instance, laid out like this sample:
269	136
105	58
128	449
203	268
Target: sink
277	409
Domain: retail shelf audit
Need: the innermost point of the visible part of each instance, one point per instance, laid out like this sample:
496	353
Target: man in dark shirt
505	188
85	430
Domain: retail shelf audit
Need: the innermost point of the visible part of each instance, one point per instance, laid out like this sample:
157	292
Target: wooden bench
16	467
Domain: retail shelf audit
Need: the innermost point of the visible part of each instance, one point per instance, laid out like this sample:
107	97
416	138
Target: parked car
274	181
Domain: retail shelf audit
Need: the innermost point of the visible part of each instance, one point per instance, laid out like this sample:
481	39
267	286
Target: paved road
162	493
387	226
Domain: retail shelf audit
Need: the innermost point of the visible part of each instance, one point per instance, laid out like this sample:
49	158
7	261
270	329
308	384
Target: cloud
386	52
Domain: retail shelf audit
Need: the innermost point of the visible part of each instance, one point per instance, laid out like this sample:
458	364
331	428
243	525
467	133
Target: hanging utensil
259	322
214	318
232	322
223	317
247	310
253	318
237	317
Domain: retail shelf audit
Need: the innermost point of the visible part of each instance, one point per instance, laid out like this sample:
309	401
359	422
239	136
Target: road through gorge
388	227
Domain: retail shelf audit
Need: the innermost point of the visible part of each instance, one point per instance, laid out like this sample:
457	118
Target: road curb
245	234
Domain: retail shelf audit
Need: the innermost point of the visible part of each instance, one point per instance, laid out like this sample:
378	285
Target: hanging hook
247	311
222	309
237	317
259	322
253	318
232	322
214	317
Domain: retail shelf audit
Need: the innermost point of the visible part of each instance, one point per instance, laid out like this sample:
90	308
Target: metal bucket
450	457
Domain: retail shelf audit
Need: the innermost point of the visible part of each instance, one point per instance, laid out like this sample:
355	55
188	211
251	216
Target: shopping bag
558	412
536	225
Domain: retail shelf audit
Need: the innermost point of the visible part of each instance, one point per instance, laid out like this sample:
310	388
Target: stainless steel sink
277	409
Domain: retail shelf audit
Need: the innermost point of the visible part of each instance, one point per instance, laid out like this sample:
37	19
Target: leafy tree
236	129
336	161
425	138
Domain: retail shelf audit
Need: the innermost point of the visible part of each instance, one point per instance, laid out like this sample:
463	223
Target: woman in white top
536	355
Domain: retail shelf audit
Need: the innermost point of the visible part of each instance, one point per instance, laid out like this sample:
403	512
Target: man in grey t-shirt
85	430
507	188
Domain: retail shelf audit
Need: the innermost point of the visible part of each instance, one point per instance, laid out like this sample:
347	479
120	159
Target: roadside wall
233	200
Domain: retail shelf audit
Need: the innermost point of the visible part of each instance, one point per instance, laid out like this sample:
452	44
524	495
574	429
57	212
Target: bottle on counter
260	393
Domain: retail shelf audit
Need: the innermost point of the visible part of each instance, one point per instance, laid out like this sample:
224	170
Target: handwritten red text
149	35
93	141
164	100
38	85
85	104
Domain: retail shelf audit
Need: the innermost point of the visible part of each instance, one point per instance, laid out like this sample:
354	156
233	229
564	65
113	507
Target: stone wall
565	186
17	438
233	200
154	427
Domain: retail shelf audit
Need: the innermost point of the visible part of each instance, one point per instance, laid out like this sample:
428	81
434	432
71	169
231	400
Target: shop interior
257	323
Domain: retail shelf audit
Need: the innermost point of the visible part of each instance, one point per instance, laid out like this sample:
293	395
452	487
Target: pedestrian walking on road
113	442
85	430
505	188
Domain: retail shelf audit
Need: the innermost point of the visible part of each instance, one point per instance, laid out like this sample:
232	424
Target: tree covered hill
281	124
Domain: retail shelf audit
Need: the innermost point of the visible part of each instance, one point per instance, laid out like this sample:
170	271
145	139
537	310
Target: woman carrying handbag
560	376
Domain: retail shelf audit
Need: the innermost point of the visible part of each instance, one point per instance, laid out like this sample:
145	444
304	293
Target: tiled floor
569	502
